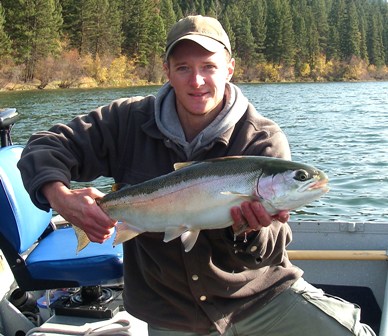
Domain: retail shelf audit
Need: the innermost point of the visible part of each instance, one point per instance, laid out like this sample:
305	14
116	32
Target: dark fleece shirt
220	280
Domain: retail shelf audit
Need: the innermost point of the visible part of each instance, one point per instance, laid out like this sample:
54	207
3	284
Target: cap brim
204	41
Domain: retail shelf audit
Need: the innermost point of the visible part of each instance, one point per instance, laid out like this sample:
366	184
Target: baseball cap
204	30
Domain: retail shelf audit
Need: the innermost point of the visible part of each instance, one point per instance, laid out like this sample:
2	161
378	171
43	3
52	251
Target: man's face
198	78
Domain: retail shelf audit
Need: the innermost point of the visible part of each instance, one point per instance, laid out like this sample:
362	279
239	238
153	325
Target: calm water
341	128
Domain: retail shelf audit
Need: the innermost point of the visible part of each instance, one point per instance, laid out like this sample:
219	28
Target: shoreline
18	87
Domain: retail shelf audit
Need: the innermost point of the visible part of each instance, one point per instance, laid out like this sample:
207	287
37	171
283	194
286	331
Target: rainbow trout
199	195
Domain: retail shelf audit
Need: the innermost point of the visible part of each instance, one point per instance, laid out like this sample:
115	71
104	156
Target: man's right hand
79	208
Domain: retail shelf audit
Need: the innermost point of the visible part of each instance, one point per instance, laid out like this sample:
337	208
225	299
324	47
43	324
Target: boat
48	289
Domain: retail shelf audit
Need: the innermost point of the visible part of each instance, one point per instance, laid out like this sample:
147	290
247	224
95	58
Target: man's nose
197	79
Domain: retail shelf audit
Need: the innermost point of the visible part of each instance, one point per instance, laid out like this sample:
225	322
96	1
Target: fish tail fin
82	238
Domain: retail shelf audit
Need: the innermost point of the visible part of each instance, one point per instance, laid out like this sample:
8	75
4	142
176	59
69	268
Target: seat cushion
21	222
55	258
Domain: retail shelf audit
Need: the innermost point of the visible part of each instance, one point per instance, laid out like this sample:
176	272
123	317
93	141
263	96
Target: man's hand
79	208
253	216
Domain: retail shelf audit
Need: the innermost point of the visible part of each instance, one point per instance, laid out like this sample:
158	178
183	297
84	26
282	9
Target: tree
351	36
319	15
100	24
258	28
280	41
299	13
5	42
375	39
34	28
137	20
245	43
335	24
157	37
167	14
72	23
273	40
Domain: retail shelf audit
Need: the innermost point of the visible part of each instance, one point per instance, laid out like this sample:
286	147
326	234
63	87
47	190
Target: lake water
341	128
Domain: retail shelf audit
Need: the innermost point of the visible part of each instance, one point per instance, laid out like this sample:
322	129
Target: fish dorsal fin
189	238
124	232
173	232
119	186
180	165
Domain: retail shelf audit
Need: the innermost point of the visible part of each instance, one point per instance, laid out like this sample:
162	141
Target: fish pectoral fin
82	238
235	193
124	232
189	238
174	232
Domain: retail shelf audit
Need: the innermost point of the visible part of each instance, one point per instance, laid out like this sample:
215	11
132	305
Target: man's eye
182	68
210	67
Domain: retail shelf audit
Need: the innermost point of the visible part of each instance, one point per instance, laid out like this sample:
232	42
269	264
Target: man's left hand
254	216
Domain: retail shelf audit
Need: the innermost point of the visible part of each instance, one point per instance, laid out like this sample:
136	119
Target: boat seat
40	255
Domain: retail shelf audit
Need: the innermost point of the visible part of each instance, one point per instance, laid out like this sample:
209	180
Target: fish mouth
321	184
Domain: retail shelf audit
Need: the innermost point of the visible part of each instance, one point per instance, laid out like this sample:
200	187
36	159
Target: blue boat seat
40	255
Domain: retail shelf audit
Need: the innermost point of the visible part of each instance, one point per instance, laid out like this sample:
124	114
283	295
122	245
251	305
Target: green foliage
271	39
5	42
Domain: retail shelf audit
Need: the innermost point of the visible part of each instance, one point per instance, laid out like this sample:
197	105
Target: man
225	285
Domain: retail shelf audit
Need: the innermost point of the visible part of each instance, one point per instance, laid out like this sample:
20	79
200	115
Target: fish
199	195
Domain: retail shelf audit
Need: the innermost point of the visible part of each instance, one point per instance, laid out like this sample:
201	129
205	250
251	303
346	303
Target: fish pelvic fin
174	232
124	232
82	238
189	238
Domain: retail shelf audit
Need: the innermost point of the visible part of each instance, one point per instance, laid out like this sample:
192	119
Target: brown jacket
220	280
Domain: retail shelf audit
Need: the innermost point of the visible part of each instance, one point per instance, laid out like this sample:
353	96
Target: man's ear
166	69
231	65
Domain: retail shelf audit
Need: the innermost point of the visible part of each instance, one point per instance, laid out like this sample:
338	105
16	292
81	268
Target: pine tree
313	45
299	12
156	41
258	27
100	22
167	14
177	9
273	40
351	36
137	22
34	29
362	30
280	41
375	38
320	21
287	34
335	29
245	43
5	42
72	22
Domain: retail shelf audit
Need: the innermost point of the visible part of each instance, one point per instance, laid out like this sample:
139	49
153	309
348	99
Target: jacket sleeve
81	150
260	249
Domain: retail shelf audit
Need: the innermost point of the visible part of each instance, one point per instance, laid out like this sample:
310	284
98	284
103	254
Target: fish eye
301	175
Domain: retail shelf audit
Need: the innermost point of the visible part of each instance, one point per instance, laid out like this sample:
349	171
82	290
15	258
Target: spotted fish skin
199	195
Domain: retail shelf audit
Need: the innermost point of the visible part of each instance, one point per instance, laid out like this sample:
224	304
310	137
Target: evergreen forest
87	43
